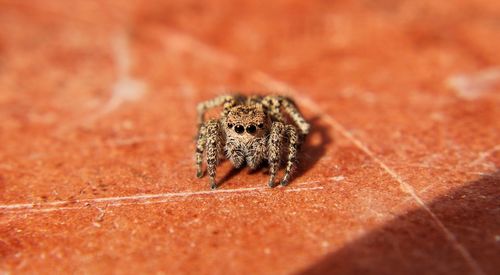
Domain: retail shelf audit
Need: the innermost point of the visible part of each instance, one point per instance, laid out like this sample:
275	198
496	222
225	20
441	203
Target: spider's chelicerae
250	130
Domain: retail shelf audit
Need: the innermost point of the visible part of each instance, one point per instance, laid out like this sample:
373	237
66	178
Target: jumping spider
251	130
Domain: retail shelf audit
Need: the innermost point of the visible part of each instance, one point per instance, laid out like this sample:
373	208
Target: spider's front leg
274	148
209	140
293	148
280	132
200	148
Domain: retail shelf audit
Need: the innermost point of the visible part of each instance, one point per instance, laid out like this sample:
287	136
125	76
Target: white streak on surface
138	199
484	155
473	86
338	178
126	88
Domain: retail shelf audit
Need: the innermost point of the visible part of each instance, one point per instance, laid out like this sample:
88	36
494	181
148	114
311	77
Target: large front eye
251	129
239	129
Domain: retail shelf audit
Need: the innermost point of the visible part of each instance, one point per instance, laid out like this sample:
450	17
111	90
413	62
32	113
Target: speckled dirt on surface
400	174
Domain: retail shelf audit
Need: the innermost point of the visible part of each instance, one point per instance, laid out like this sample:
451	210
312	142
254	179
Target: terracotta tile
98	111
212	231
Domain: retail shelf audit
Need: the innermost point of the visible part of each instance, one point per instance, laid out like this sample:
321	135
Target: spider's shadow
229	175
409	243
309	154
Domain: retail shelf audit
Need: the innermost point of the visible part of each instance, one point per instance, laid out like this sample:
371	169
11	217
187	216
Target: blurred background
399	175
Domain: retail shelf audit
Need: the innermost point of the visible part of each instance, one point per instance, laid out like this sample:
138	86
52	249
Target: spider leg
274	150
289	107
226	100
293	148
213	148
200	148
272	103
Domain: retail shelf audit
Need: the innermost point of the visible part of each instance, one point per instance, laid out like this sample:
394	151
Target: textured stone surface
399	175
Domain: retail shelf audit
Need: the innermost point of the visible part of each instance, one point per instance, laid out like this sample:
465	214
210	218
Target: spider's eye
251	129
239	129
261	125
229	125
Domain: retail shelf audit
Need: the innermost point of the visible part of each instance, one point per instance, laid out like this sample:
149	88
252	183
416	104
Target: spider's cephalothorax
250	130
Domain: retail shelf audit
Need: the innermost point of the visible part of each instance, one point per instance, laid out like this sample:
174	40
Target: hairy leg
293	148
213	148
296	116
274	150
276	102
200	148
273	104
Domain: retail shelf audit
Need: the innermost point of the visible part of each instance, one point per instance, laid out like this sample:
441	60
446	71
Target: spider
251	129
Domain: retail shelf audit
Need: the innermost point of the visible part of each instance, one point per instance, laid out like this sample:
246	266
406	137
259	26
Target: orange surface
399	176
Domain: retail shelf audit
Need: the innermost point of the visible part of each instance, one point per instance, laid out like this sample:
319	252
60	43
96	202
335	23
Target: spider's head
246	122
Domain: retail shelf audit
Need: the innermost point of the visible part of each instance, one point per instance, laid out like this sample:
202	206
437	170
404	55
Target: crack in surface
140	199
484	155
